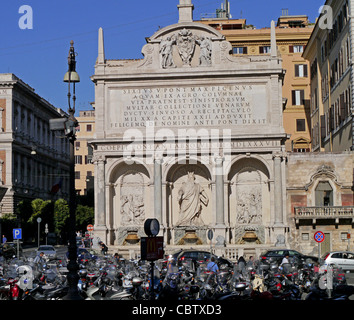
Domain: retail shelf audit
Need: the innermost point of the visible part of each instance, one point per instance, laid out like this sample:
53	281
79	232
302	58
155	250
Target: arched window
324	194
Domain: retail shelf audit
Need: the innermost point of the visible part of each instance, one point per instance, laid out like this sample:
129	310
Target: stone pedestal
101	233
190	235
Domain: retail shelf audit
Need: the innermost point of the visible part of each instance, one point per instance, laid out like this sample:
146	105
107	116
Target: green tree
61	215
24	211
84	216
40	209
8	222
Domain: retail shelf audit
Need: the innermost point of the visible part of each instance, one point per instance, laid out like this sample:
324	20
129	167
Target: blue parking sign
17	234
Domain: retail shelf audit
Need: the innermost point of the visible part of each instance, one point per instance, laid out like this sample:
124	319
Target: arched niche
176	177
249	200
130	200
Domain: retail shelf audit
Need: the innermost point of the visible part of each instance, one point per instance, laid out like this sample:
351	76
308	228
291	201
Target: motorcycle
170	285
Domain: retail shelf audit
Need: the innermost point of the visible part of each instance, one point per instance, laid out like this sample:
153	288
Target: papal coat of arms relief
186	43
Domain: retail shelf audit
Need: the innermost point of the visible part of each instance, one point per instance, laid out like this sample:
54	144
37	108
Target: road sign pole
17	235
39	220
152	292
319	237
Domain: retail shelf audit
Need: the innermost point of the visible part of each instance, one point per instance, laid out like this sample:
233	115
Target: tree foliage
84	216
61	214
54	213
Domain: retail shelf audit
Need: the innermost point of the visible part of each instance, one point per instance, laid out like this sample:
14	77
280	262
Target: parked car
342	259
48	250
276	256
199	256
83	255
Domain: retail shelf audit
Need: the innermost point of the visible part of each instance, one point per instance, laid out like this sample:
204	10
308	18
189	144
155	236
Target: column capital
279	154
98	158
218	160
158	158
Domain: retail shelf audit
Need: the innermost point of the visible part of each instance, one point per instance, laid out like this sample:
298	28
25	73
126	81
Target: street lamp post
71	77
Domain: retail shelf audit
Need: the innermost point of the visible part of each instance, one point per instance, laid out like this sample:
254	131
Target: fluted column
219	190
158	188
100	194
278	190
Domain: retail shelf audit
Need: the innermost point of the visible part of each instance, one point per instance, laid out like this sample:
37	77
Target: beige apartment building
34	161
329	53
292	34
84	169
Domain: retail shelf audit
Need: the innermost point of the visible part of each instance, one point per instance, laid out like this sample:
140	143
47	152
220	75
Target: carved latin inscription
226	106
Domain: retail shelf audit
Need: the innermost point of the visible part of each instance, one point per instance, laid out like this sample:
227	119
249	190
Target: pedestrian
241	263
212	266
4	239
250	262
104	248
39	259
285	260
116	257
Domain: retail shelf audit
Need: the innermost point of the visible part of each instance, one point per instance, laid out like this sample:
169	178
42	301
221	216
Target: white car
49	251
342	259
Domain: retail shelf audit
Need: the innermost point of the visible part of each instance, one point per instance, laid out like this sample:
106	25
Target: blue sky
39	56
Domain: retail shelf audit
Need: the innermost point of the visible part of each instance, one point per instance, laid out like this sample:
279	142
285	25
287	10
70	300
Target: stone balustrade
324	212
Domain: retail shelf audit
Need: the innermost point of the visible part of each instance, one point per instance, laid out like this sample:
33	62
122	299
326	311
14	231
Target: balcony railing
325	212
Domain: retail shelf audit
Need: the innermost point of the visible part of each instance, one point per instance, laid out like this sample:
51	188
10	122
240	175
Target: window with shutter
298	97
342	108
300	125
323	126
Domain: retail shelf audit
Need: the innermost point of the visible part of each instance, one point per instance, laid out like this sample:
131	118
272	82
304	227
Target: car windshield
293	253
275	253
46	248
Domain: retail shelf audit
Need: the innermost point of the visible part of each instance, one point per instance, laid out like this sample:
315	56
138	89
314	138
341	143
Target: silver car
342	259
49	251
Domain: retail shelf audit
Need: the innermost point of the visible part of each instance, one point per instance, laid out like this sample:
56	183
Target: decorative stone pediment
182	45
323	172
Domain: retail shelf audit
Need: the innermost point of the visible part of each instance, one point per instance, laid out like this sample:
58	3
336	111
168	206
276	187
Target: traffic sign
151	248
90	227
17	234
319	236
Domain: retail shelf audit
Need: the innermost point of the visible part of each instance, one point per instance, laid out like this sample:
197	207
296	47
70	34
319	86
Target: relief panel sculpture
132	208
249	197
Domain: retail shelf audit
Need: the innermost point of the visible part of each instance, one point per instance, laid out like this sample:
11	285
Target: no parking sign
319	236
